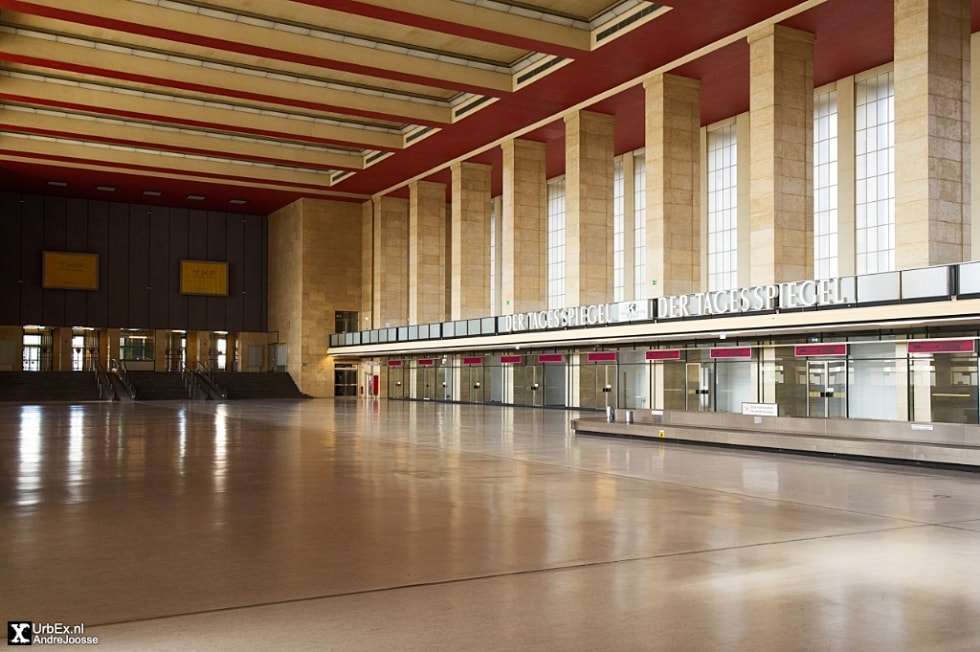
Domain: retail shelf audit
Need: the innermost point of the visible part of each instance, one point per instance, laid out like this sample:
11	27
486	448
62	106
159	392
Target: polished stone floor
324	525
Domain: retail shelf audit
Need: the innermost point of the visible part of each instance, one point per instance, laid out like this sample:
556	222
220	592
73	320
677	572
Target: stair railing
203	382
107	391
123	375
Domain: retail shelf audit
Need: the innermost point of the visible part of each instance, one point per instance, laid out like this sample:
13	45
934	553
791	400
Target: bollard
629	416
610	413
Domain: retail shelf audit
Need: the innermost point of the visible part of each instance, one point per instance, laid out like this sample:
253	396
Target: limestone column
589	170
11	348
781	142
673	141
524	254
470	251
932	114
161	354
426	252
314	271
390	267
367	267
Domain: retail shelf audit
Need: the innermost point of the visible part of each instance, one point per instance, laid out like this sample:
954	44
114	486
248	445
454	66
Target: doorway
698	382
826	389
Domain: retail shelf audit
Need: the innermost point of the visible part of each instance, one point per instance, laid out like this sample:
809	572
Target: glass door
444	379
396	382
535	385
474	384
826	388
553	378
698	387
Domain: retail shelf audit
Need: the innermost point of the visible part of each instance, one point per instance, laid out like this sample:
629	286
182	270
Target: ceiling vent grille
632	19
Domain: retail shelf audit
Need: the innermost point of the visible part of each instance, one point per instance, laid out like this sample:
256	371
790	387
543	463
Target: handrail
123	375
107	391
203	381
191	382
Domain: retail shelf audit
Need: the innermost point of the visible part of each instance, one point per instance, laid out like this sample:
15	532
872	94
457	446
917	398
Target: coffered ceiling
248	105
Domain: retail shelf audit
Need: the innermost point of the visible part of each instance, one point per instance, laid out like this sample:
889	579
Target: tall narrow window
556	243
493	258
874	174
619	228
722	208
825	185
639	225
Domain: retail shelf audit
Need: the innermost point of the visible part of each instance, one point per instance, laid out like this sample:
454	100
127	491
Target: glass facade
639	226
825	190
874	144
556	243
722	208
865	377
619	230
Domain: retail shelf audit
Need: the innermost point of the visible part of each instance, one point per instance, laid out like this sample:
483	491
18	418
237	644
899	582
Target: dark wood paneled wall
140	248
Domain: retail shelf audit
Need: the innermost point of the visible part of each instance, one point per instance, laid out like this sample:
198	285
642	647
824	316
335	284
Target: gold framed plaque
63	270
204	277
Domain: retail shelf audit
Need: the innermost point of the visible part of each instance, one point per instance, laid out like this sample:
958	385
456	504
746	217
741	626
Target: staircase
257	385
158	386
36	386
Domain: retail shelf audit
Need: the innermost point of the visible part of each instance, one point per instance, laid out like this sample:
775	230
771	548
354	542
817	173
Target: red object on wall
664	354
942	346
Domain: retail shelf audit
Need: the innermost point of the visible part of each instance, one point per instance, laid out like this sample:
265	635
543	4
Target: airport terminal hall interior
490	325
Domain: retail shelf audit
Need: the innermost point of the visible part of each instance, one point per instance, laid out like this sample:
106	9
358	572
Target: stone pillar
932	132
314	271
781	141
61	349
673	142
390	295
11	348
426	252
589	170
109	345
367	267
161	348
470	286
524	253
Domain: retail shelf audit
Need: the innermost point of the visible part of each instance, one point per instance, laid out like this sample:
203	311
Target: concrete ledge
933	443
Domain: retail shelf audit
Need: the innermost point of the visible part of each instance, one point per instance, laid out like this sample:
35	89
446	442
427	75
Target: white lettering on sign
787	296
794	294
555	318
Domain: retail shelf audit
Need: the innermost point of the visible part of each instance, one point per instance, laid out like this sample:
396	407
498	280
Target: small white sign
760	409
921	426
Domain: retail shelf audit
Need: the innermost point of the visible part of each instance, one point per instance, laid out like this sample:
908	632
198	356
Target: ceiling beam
174	141
146	108
471	21
160	73
86	156
221	35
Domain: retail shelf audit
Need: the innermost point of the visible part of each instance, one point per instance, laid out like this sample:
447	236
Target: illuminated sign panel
664	354
813	350
602	356
204	277
70	271
730	353
942	346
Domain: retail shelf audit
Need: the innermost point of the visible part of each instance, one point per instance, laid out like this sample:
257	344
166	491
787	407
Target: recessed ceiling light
237	201
196	197
60	184
106	188
152	193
